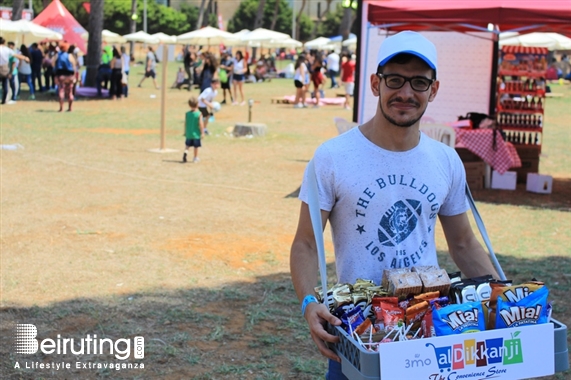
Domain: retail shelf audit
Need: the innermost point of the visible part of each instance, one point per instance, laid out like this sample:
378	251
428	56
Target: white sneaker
11	102
196	160
298	105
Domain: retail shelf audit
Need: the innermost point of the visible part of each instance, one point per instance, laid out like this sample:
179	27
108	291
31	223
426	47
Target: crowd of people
57	67
313	67
58	64
309	73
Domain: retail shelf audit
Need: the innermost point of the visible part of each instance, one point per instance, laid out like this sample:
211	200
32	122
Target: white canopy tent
350	43
263	35
26	32
165	38
551	41
287	43
206	36
108	37
141	36
241	33
320	43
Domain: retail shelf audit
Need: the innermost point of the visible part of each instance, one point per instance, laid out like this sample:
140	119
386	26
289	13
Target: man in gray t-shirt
150	66
382	186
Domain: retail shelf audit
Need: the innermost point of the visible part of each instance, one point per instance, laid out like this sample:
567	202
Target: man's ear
433	90
375	82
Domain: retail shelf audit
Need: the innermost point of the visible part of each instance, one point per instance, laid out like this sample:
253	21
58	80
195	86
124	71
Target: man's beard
404	124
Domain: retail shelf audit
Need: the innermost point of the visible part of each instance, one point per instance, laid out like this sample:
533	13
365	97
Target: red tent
463	15
57	17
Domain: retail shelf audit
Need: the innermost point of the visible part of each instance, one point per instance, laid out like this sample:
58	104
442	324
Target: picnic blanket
322	101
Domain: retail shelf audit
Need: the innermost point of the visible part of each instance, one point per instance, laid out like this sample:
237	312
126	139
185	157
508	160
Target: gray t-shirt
153	60
384	205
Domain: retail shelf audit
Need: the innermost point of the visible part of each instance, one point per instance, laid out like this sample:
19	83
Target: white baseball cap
411	43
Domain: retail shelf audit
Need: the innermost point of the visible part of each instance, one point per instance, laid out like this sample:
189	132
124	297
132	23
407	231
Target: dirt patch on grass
134	132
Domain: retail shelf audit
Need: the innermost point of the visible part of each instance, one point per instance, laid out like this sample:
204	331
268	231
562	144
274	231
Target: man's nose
407	88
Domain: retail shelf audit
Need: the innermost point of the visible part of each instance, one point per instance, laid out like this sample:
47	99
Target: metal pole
293	19
163	94
145	17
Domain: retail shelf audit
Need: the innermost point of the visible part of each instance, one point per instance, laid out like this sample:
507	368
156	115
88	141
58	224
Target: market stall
466	35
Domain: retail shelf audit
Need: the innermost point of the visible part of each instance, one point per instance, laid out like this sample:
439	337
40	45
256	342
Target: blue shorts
193	142
334	372
238	77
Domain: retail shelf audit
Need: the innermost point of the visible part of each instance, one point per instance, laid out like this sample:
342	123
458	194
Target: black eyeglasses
396	81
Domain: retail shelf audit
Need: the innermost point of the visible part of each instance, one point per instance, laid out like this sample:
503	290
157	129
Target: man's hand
317	315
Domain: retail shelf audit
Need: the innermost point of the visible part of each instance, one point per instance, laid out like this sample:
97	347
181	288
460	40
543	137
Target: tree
275	15
317	25
191	12
259	14
200	14
133	25
93	58
346	22
330	26
279	21
17	7
37	5
298	20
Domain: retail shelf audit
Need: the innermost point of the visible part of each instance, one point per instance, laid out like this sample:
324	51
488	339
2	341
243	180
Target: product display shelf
521	96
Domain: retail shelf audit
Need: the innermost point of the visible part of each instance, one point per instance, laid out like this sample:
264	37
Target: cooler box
514	353
506	181
537	183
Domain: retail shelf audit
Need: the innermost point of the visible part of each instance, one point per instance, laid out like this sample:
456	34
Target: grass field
101	236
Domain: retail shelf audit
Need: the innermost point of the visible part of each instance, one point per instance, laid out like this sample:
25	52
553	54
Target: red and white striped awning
524	50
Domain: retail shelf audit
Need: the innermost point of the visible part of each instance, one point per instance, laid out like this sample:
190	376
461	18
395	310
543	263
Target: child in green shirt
193	129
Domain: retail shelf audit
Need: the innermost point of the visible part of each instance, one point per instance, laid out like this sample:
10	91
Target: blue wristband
306	301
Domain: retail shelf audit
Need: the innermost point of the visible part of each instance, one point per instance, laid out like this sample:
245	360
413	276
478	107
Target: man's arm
465	249
304	268
22	57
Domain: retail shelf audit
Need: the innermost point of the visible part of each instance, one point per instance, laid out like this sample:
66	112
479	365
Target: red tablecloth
480	142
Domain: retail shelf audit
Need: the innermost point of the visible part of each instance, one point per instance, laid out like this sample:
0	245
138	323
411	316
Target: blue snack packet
459	319
530	310
352	319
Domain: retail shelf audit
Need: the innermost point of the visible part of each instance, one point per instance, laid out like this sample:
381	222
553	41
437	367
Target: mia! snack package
459	319
511	293
530	310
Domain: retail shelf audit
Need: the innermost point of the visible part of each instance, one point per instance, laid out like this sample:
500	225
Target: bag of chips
458	319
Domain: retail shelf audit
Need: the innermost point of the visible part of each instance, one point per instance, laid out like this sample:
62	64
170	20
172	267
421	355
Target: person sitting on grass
193	129
180	79
205	100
